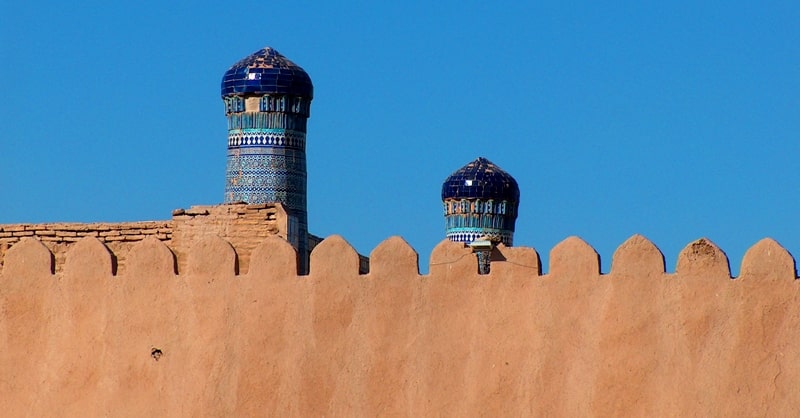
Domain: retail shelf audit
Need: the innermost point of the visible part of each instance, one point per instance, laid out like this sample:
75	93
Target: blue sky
675	120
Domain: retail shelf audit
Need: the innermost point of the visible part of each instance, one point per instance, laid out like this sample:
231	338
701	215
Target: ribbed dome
481	179
267	72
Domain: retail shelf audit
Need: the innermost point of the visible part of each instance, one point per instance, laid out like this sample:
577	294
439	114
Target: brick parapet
58	237
244	226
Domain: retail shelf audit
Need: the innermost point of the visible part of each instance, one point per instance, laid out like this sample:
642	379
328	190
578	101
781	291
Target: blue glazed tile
286	77
488	182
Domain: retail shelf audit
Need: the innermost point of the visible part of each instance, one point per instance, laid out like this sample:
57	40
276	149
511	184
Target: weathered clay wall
59	237
243	225
363	261
207	342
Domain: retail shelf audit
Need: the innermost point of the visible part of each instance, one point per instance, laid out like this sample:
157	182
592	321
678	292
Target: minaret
267	102
480	201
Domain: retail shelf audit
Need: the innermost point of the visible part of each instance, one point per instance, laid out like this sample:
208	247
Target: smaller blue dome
481	179
267	72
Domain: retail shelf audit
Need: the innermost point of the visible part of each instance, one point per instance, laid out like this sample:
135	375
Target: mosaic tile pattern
267	102
487	221
256	176
267	120
262	137
469	235
480	199
266	71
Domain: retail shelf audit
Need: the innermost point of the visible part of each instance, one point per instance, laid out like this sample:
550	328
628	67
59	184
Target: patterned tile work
480	199
267	120
233	104
480	220
271	174
263	137
267	142
267	174
467	236
267	72
285	104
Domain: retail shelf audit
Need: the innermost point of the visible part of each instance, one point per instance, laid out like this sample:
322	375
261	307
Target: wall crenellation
635	257
244	226
634	342
57	237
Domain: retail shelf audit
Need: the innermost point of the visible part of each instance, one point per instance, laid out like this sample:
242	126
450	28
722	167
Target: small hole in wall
114	264
156	353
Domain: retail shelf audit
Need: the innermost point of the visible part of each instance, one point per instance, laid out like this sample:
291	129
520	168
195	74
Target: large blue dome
481	179
267	72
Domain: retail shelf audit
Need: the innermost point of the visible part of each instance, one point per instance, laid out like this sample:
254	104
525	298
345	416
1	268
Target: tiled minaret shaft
267	103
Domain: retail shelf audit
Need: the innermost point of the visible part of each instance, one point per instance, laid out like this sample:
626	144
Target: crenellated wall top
210	255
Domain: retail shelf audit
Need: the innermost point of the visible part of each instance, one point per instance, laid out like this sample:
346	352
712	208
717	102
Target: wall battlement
637	256
163	338
243	225
58	237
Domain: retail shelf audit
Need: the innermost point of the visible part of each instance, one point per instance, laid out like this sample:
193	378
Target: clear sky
675	120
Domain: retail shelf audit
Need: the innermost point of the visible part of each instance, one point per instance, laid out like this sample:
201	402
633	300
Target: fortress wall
574	342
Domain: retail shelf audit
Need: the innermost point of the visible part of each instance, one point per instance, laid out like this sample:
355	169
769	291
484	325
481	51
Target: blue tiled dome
481	179
267	72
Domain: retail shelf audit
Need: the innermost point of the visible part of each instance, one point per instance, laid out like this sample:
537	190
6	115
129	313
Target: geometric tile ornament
480	199
267	102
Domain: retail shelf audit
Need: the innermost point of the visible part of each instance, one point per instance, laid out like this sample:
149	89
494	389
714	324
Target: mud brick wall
244	226
57	237
212	340
241	224
363	261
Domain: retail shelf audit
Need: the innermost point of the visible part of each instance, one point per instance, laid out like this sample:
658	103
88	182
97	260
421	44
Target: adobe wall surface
243	225
207	342
59	237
